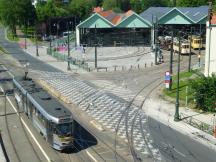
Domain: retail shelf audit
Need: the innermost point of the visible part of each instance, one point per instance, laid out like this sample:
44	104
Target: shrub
204	89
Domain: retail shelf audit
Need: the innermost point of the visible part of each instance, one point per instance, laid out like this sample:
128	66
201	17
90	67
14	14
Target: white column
77	36
152	36
207	54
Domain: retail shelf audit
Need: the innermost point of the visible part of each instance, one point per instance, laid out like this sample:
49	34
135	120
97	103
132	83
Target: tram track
12	136
13	110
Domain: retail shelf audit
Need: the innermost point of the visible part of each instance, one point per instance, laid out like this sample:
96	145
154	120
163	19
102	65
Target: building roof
114	17
110	19
194	14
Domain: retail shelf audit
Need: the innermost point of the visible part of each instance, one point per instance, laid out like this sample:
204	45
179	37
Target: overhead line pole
95	47
171	60
68	40
176	117
189	64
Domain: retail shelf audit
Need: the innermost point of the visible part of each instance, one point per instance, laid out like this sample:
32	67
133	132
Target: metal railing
197	123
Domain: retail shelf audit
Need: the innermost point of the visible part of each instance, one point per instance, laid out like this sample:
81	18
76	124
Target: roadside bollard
138	66
151	63
131	67
145	65
115	68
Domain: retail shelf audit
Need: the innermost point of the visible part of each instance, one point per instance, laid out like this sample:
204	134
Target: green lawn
184	87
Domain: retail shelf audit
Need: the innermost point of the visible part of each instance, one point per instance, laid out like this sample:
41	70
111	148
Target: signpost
167	79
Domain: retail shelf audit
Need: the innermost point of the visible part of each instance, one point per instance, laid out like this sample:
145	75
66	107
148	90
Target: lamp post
68	40
26	26
189	65
199	55
156	40
171	60
95	46
176	117
36	42
50	37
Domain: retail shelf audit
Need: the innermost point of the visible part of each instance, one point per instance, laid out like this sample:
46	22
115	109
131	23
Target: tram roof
49	104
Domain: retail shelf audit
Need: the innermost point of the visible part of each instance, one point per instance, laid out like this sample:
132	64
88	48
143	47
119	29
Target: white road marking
92	157
42	150
179	152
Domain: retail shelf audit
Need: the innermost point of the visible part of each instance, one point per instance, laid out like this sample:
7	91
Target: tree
192	3
141	5
16	12
49	9
82	8
109	4
204	90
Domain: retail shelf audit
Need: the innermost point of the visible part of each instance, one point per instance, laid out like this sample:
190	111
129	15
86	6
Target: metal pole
199	46
95	48
25	34
176	117
68	68
189	65
36	42
50	45
156	40
171	61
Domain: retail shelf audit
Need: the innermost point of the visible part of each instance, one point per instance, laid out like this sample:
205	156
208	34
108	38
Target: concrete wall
210	58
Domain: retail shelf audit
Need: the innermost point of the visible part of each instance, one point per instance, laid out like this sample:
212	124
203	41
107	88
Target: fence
64	57
198	124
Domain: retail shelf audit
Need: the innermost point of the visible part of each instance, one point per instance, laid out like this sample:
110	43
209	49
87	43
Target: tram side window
39	116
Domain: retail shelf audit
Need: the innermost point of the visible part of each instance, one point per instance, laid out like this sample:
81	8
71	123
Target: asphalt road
177	147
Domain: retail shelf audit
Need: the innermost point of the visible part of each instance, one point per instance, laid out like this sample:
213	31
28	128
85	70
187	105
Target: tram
52	120
196	42
184	46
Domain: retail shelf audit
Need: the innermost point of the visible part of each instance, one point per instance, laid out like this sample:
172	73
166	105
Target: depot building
108	28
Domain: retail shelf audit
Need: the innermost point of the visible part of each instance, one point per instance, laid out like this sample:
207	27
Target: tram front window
64	129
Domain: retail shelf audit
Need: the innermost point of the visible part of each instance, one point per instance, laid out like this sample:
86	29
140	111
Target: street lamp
200	41
68	40
95	46
36	42
50	37
177	117
189	66
26	27
171	59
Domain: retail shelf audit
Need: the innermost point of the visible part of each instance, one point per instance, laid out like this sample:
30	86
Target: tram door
49	132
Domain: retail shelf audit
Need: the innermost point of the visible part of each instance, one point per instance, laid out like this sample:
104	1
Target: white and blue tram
50	118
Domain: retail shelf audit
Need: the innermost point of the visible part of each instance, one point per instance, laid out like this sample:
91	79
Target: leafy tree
192	3
82	8
49	9
136	5
16	12
204	90
109	4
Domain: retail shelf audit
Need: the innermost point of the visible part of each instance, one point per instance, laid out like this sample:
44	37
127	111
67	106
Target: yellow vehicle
196	42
